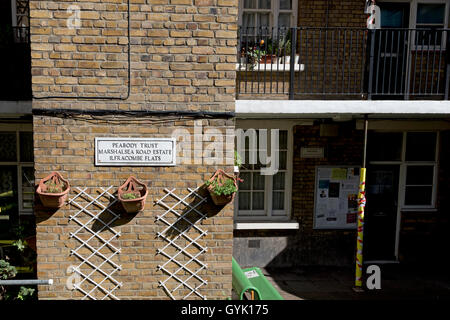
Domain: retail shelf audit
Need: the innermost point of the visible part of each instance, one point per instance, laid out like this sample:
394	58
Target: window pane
244	200
26	146
27	187
420	146
258	181
263	20
278	200
8	190
430	13
285	4
264	4
250	4
278	181
8	146
284	20
246	183
419	175
248	21
283	160
283	139
258	201
385	146
418	195
392	17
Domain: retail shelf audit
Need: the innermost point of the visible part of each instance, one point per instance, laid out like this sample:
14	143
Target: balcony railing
343	63
15	63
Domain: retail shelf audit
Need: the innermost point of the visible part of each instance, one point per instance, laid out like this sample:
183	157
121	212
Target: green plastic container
252	279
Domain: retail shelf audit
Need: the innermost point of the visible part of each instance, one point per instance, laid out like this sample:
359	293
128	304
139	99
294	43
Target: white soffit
332	108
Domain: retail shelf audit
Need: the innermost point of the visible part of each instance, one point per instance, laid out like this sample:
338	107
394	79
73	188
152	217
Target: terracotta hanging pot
221	177
132	194
53	190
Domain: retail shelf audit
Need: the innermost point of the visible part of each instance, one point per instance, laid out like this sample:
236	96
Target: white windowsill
418	209
248	225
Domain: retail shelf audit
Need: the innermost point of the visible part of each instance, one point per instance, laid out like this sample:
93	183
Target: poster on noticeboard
336	197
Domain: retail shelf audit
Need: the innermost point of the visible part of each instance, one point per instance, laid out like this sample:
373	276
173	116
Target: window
430	16
265	197
16	172
420	167
20	20
267	14
416	154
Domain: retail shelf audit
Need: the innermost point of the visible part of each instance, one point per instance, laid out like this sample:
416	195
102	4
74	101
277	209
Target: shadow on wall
107	216
189	216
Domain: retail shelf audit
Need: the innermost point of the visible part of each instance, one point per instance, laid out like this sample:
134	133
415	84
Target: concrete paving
331	283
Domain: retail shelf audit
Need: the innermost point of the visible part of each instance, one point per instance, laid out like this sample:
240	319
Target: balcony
305	63
15	63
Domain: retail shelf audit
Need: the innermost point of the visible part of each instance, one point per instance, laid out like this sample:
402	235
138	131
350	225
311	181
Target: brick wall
182	56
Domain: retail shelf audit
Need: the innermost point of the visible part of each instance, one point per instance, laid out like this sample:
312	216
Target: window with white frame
267	13
260	196
423	14
430	16
416	154
16	172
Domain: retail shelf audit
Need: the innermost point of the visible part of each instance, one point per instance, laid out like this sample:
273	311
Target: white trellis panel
99	279
181	210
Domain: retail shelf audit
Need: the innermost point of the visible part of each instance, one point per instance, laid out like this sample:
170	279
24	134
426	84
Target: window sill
418	210
249	225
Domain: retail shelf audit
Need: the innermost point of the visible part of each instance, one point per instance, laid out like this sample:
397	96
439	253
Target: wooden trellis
190	217
90	285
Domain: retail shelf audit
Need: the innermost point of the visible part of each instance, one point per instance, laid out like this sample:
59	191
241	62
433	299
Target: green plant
284	44
254	56
130	196
53	187
25	293
6	270
237	159
222	186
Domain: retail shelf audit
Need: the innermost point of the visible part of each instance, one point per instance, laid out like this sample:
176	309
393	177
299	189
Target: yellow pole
359	244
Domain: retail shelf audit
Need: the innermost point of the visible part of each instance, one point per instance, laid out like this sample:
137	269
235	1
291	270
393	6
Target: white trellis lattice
193	281
94	208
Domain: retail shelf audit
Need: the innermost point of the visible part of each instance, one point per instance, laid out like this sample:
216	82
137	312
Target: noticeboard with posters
336	197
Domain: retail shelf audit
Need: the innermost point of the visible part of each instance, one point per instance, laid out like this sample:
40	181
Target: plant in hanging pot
222	187
132	194
53	190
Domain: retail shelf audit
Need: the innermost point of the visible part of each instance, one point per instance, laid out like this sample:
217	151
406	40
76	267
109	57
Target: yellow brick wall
182	56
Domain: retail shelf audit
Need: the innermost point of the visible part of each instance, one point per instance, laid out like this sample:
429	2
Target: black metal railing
15	63
346	63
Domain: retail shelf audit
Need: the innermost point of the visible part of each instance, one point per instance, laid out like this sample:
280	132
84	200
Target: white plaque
135	151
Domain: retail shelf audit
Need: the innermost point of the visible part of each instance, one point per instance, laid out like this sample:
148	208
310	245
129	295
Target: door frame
402	181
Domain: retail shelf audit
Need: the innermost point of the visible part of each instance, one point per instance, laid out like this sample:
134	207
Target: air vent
254	243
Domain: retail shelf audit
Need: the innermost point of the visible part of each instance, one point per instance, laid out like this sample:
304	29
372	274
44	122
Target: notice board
336	197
